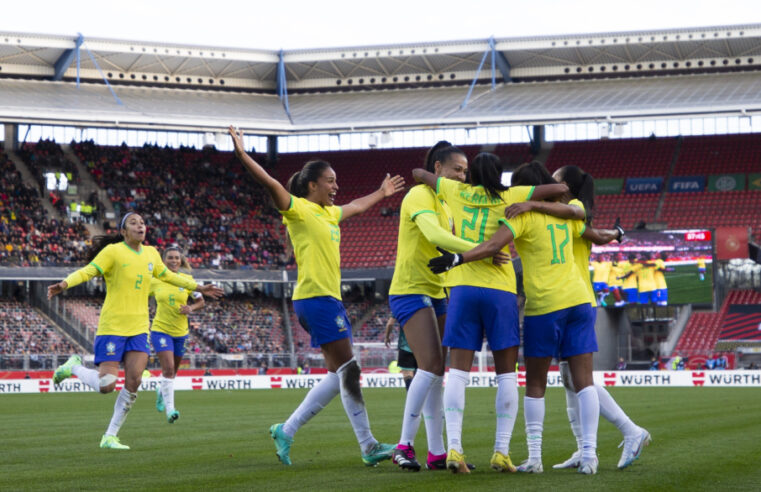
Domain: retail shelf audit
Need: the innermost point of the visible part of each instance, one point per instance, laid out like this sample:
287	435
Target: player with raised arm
482	302
558	315
127	265
418	301
312	219
169	330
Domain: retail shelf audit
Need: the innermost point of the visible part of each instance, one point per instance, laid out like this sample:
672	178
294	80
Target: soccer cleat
282	443
172	416
111	442
378	453
531	466
439	462
633	448
64	370
404	456
159	400
502	463
588	467
573	462
456	462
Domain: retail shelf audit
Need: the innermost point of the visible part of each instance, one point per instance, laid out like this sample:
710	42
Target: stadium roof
604	76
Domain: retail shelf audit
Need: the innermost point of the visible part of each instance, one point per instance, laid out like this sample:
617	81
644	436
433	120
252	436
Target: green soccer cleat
172	416
159	400
111	442
282	443
378	453
64	370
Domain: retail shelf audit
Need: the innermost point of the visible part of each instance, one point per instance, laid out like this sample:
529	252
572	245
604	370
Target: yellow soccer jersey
413	250
601	271
701	263
659	275
582	249
645	277
630	282
476	218
551	278
128	276
169	298
616	270
316	239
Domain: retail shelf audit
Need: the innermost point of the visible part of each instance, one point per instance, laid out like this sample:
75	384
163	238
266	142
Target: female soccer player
581	192
127	265
482	301
558	316
169	330
418	302
312	221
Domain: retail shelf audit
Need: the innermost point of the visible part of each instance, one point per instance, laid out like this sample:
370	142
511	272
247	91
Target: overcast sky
292	24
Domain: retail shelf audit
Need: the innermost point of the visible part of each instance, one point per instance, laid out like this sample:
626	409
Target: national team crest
162	341
150	267
110	348
340	322
427	301
182	289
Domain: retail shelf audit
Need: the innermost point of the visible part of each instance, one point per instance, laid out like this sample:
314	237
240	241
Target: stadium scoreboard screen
655	267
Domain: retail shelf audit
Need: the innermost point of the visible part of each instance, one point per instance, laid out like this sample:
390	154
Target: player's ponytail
581	185
486	171
298	183
440	152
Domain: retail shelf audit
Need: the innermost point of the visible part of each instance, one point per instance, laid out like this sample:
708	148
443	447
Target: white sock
454	407
533	412
614	414
317	399
88	376
506	406
354	404
121	408
589	413
167	393
413	406
572	408
433	413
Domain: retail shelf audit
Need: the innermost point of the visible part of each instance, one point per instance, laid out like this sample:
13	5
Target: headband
124	219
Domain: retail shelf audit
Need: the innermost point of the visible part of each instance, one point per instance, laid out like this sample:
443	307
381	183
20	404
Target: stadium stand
24	331
702	330
719	154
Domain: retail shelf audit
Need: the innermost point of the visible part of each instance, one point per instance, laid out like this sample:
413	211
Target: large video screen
654	267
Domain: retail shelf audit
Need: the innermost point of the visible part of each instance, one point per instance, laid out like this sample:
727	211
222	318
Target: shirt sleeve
336	212
294	209
516	194
81	276
446	188
429	226
516	224
160	271
578	227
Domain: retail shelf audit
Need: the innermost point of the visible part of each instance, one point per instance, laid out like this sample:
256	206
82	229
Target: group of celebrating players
441	301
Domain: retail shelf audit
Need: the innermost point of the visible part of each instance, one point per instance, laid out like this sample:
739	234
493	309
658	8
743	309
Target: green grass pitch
704	439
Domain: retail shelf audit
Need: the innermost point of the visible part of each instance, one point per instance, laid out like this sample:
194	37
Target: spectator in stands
169	330
312	221
122	334
710	363
621	366
655	364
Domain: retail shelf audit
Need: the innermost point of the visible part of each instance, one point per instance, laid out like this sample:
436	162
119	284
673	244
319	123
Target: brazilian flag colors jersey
660	277
551	278
128	276
411	273
169	298
476	218
581	251
316	239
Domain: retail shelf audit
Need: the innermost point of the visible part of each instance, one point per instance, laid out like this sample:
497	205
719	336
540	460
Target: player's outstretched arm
388	187
556	209
488	248
277	191
420	175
